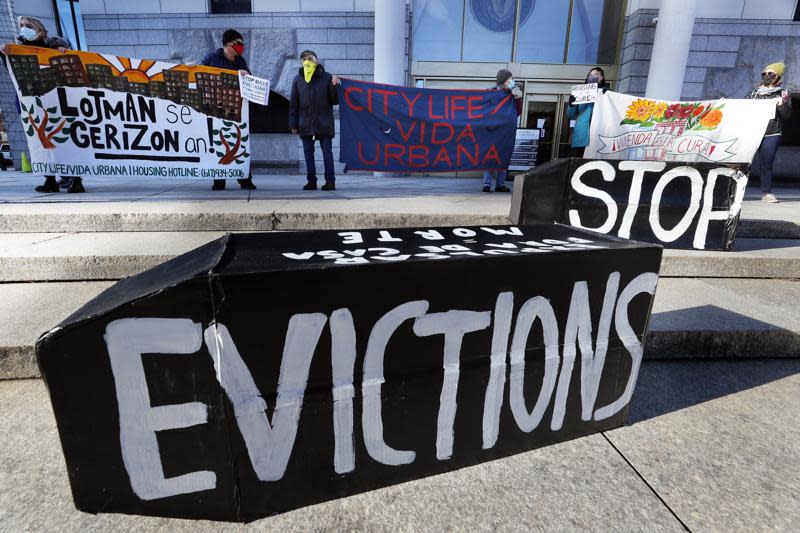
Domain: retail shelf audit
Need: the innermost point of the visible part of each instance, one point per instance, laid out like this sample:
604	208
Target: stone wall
725	59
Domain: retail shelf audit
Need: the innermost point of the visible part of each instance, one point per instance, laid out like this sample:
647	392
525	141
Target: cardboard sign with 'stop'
265	372
677	205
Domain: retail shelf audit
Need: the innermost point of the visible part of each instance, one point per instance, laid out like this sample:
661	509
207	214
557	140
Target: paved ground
712	446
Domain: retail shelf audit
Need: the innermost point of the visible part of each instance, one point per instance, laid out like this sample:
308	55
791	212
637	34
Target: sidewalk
710	446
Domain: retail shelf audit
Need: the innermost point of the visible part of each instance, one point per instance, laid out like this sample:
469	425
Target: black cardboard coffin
677	205
265	372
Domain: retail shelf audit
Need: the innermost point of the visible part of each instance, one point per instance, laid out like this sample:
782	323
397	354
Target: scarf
308	70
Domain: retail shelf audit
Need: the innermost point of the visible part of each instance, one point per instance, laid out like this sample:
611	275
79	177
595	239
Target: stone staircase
56	256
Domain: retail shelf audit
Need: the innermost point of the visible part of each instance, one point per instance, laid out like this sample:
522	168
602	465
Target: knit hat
777	67
308	52
229	36
502	76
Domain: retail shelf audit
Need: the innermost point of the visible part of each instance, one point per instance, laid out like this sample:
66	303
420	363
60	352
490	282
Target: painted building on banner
548	45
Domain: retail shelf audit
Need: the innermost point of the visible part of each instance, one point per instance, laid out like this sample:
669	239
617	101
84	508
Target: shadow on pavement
667	386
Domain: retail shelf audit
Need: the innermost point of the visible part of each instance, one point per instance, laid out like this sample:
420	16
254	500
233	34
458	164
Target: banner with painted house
633	128
90	114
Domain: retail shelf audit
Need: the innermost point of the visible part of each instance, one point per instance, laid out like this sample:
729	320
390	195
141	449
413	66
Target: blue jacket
217	59
582	115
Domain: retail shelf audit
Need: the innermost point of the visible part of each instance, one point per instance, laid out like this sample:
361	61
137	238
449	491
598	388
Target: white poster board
254	89
585	93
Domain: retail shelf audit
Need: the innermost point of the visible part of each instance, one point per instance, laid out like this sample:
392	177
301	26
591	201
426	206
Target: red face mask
238	48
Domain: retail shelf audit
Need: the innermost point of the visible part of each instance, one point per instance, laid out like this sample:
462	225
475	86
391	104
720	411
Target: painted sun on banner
627	127
89	114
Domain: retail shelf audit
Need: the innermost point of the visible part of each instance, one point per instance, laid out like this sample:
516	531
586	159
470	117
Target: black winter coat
311	104
783	110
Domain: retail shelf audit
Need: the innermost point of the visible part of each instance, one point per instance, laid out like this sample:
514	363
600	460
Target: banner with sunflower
633	128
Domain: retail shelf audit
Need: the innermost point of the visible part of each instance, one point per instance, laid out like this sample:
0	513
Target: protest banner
632	128
585	93
678	205
254	89
407	129
90	114
269	371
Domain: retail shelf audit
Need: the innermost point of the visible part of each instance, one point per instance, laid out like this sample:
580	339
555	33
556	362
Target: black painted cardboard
247	283
546	194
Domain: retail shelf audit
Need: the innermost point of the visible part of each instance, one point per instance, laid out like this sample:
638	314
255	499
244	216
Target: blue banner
406	129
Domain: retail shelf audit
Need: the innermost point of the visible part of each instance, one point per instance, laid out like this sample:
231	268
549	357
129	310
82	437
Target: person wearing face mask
33	33
311	116
504	82
582	114
230	57
771	88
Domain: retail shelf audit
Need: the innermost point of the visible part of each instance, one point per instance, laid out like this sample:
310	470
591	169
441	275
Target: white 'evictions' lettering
453	325
579	331
371	414
638	168
643	283
343	360
127	340
537	307
269	445
493	402
694	203
707	215
269	442
581	188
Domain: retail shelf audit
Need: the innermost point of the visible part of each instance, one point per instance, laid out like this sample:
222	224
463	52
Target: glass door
541	113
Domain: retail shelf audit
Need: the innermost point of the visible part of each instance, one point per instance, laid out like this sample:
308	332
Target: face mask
510	83
29	34
769	79
308	69
593	79
238	48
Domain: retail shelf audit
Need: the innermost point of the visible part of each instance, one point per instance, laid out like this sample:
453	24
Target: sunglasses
769	73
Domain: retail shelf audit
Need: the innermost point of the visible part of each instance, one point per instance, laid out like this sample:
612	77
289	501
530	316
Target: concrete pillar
390	41
671	49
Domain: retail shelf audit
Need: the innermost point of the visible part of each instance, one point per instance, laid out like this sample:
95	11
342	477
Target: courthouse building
549	45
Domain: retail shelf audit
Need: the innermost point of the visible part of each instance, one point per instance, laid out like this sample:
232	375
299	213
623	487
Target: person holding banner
771	87
230	57
33	33
311	116
582	114
504	82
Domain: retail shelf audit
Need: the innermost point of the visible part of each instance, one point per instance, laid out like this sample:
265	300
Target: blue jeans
766	156
500	180
326	143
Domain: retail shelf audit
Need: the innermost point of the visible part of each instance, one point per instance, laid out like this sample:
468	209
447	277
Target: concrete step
731	318
294	214
110	256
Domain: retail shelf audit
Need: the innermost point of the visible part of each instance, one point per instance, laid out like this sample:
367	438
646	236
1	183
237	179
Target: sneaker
486	188
76	186
64	183
329	187
502	188
247	184
219	185
769	198
310	186
49	185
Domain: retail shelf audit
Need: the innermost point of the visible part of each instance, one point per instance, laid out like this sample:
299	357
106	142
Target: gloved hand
516	92
571	99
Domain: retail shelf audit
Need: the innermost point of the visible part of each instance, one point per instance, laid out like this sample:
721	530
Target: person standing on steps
311	116
33	33
582	114
505	82
771	87
230	57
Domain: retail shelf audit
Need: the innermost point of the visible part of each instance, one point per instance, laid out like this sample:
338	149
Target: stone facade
725	58
343	40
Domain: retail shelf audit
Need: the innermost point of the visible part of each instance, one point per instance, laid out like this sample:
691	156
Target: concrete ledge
698	319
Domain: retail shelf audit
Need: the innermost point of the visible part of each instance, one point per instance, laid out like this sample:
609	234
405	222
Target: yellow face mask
308	69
